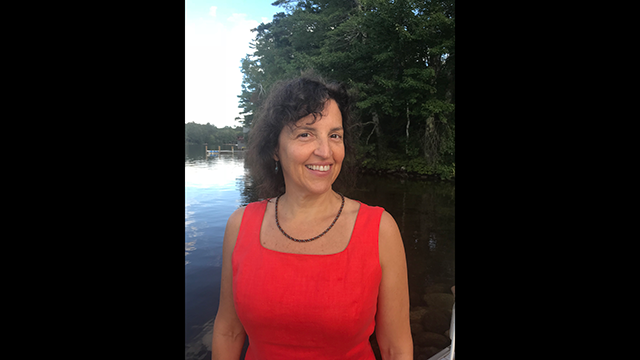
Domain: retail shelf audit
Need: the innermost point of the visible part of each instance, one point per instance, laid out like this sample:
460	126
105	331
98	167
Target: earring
276	166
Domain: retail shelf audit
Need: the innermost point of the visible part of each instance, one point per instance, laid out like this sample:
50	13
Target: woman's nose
323	149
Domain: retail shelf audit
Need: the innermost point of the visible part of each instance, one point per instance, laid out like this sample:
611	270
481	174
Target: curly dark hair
288	102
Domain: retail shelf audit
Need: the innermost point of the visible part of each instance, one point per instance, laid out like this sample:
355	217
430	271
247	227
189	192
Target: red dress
299	306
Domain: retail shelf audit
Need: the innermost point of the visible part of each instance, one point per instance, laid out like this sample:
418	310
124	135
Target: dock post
231	149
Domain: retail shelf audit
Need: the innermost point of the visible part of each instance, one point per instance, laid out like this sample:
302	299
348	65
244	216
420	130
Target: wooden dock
216	152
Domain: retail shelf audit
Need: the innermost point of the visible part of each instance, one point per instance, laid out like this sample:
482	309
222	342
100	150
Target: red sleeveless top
299	306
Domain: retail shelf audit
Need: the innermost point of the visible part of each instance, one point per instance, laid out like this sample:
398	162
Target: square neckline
355	225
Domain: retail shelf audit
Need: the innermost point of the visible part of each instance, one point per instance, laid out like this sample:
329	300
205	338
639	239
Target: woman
308	273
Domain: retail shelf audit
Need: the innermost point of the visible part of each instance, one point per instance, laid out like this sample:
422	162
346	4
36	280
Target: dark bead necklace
315	237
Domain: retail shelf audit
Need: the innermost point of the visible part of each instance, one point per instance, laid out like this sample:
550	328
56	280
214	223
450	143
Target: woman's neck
296	204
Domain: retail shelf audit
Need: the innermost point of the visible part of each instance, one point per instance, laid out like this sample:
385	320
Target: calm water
216	186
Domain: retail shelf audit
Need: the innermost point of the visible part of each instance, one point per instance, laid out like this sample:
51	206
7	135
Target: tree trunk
379	140
376	121
406	146
431	140
376	127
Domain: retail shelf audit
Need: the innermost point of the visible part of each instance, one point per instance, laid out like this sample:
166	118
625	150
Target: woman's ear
275	155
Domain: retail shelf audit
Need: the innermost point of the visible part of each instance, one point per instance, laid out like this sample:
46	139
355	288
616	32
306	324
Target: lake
215	186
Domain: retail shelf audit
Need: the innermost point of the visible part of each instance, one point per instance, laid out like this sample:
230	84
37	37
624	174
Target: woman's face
311	153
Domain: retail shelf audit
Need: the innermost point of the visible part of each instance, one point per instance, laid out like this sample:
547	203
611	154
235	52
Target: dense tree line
397	55
199	134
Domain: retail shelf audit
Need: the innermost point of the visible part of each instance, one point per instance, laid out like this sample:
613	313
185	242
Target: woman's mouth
318	167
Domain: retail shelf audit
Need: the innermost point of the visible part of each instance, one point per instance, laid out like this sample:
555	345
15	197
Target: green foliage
399	55
198	134
416	166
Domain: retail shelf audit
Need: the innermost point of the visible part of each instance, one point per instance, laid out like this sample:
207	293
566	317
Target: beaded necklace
315	237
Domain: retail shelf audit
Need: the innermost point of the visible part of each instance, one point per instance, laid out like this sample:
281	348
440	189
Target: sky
217	37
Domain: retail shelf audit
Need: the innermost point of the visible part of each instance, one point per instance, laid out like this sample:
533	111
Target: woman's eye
336	136
304	135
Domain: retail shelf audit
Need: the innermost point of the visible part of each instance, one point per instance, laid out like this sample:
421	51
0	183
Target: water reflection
211	183
189	246
200	175
424	211
212	193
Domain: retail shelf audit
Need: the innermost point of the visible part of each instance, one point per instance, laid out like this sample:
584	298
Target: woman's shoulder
390	244
387	222
236	217
366	207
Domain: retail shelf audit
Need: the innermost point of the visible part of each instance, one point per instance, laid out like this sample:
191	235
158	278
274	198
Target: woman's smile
319	167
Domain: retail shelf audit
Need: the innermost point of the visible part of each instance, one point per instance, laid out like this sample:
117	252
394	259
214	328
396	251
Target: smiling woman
295	109
311	274
310	151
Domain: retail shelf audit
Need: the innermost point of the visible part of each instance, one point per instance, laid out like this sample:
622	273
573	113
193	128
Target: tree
398	54
198	134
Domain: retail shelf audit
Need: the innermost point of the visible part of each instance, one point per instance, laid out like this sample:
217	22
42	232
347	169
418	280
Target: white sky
217	37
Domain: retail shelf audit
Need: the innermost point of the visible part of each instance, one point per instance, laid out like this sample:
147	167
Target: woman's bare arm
228	332
393	330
